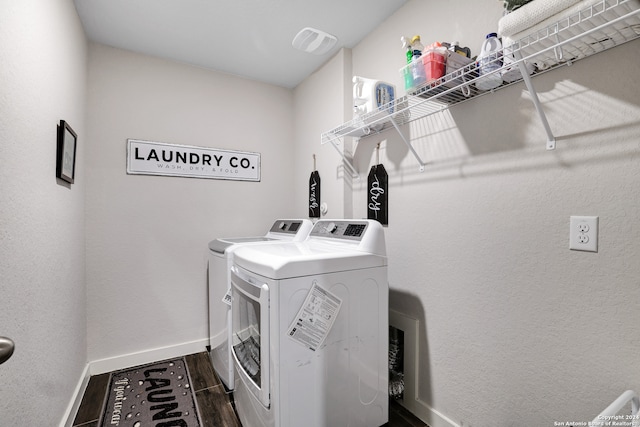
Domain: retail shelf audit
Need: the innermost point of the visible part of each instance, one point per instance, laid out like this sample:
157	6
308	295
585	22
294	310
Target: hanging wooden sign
377	196
314	195
157	158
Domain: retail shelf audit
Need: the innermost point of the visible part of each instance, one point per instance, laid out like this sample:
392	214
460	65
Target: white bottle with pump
490	60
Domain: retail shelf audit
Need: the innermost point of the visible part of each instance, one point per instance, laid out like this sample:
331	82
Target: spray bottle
406	45
406	71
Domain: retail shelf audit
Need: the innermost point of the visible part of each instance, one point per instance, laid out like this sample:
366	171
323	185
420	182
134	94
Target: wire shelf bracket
551	140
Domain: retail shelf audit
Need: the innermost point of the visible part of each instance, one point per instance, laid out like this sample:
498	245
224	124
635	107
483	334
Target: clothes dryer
220	260
310	329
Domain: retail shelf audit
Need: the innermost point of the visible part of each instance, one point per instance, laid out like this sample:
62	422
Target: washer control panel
285	226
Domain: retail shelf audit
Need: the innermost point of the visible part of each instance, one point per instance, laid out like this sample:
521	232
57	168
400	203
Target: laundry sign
157	158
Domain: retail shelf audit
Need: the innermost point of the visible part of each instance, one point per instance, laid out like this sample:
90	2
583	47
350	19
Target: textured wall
148	235
42	261
516	329
321	102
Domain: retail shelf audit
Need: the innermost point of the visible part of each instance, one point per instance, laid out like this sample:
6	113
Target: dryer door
250	326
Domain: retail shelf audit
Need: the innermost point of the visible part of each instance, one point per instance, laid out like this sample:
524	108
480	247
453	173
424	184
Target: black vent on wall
396	365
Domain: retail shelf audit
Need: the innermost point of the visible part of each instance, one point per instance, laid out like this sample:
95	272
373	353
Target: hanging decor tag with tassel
314	192
377	196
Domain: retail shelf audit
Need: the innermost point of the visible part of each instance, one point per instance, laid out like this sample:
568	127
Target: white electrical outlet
583	233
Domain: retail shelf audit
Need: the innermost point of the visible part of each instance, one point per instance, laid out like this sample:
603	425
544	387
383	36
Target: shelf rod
354	173
413	151
551	139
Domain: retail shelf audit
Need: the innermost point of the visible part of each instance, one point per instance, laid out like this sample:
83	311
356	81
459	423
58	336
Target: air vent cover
314	41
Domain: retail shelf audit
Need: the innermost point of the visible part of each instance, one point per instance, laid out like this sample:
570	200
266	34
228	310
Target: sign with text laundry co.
157	158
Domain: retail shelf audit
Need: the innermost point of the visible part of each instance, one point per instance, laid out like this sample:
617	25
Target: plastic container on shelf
456	69
434	64
427	65
416	69
489	61
460	70
464	51
434	59
406	72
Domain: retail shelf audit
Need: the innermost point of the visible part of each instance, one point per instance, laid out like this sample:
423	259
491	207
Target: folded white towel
531	14
568	26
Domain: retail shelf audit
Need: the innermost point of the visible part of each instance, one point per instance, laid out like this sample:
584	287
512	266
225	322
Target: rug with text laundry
154	395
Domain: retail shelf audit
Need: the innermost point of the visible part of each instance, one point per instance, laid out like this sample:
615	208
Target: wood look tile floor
214	403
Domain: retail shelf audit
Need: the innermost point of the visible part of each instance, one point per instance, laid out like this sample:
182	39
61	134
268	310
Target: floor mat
158	394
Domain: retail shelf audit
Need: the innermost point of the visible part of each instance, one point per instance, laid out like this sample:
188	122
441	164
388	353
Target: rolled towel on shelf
531	14
572	21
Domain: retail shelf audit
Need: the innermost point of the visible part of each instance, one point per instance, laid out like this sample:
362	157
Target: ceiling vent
314	41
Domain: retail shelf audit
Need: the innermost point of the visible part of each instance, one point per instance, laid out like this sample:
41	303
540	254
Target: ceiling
248	38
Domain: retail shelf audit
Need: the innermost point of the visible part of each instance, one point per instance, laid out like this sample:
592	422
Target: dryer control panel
350	230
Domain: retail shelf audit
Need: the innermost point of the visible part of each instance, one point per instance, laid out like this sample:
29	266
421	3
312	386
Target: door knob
6	349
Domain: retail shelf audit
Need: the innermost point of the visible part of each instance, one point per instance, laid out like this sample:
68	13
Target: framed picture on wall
66	162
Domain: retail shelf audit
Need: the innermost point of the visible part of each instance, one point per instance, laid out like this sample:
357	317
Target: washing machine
310	329
220	260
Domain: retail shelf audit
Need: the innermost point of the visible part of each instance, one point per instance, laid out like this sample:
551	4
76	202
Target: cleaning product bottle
417	47
464	51
417	68
490	60
371	95
406	45
406	71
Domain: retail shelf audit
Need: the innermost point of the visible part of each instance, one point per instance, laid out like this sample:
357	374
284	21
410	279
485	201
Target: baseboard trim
429	415
125	361
147	356
72	409
410	400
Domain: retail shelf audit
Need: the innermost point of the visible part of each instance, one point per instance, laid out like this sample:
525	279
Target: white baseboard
109	364
147	356
430	416
72	409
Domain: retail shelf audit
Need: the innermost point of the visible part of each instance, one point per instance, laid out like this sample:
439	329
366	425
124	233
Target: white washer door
250	327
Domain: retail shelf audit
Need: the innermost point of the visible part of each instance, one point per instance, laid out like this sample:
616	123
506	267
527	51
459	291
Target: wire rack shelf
601	26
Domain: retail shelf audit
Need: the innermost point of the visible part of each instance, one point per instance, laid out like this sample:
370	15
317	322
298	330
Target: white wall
321	102
516	329
42	259
147	236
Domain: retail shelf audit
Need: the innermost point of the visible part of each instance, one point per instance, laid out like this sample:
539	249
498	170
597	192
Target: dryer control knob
331	227
282	225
